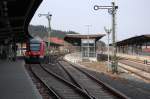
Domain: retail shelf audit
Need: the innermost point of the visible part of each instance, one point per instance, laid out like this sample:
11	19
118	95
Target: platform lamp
48	16
112	10
108	31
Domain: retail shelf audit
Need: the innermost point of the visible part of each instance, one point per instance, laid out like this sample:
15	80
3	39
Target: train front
35	51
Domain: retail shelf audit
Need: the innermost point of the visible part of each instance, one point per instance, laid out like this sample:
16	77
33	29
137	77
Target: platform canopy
75	39
15	16
135	40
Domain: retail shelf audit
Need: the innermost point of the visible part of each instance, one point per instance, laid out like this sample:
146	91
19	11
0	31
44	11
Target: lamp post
111	10
48	16
108	31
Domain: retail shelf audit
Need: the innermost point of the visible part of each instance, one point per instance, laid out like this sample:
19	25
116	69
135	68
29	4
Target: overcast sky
133	16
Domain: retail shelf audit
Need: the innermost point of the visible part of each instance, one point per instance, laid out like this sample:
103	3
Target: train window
35	46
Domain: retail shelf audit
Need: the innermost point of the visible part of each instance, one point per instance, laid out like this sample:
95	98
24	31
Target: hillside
41	31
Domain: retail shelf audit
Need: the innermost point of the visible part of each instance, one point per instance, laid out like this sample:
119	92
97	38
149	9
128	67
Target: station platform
15	83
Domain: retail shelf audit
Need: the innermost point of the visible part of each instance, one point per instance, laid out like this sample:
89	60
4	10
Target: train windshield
35	46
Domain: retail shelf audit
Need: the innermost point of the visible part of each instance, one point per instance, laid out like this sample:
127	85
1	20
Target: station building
55	44
83	45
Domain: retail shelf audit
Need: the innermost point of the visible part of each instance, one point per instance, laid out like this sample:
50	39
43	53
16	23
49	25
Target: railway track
140	66
136	61
129	88
141	70
133	87
56	68
61	72
46	92
95	88
61	88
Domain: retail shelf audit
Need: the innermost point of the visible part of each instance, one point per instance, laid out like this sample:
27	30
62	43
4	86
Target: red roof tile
146	50
56	40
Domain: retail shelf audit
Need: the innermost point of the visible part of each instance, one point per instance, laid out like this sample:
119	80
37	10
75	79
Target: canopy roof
135	40
76	38
15	16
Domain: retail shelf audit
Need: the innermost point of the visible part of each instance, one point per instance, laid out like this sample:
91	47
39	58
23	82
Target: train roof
36	40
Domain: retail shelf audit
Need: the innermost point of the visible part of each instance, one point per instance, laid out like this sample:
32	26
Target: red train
35	50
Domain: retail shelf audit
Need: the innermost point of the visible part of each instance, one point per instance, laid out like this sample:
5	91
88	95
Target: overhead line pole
112	10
